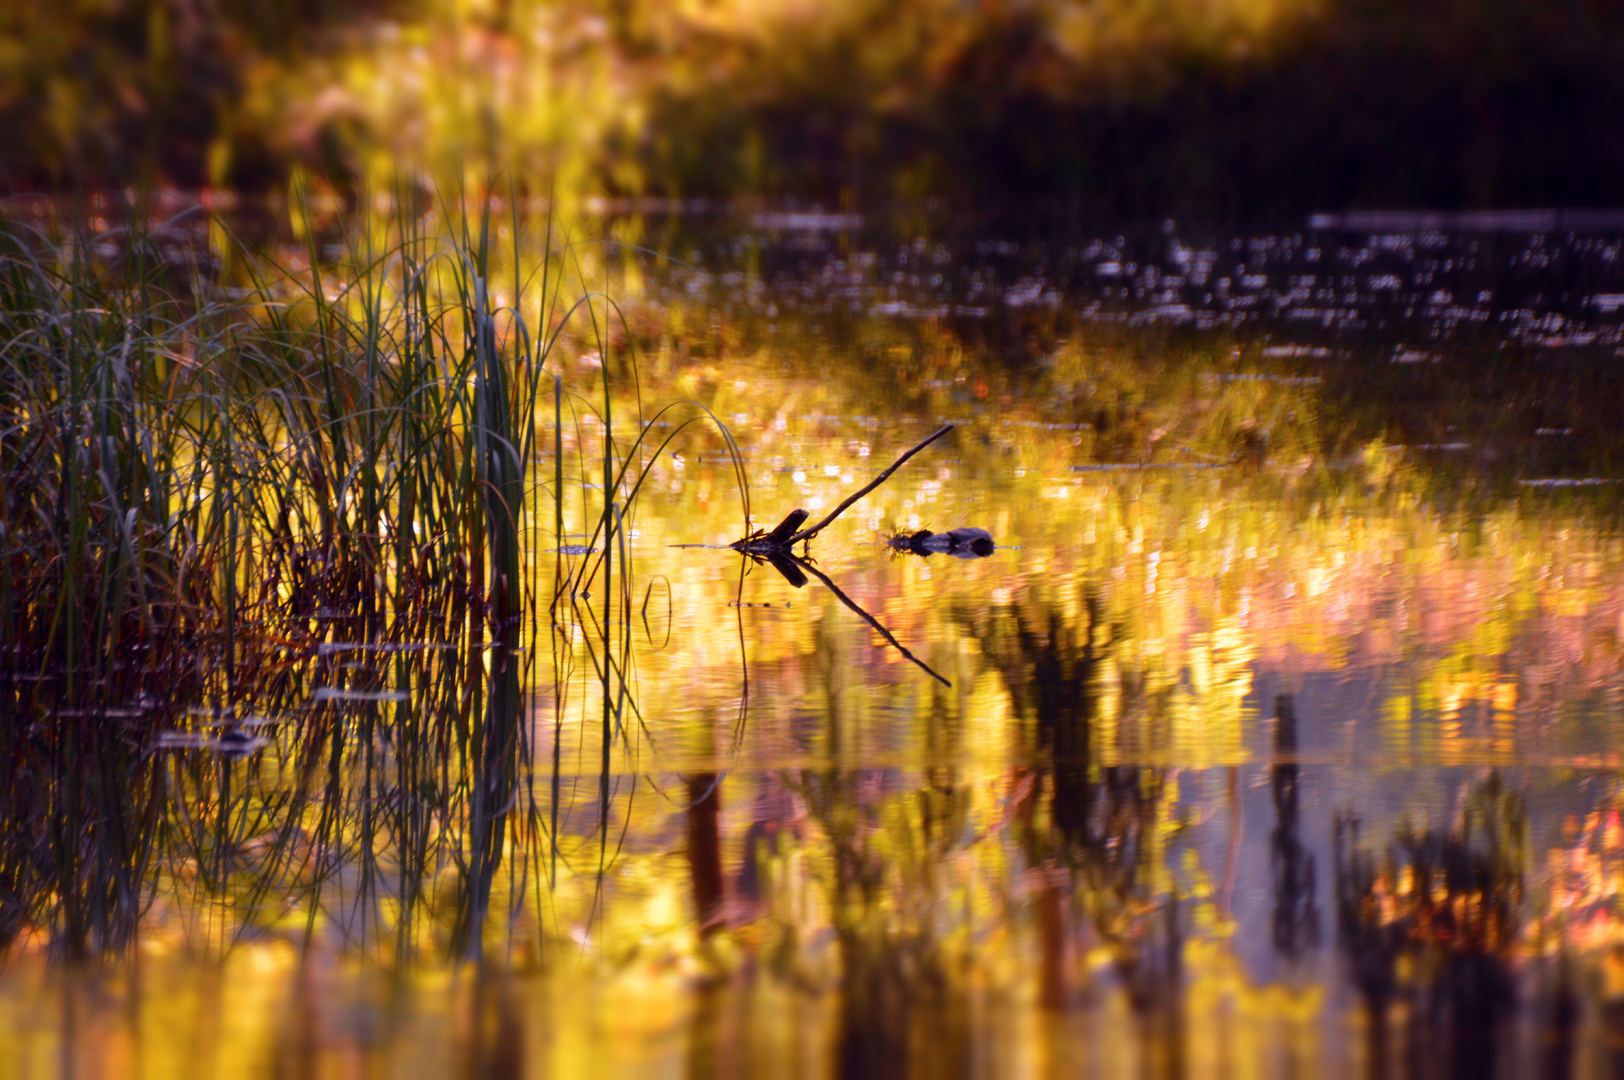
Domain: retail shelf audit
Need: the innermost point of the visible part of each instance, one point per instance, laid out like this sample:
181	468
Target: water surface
1279	733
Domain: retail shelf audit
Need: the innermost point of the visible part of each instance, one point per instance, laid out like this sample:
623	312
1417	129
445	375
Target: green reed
275	578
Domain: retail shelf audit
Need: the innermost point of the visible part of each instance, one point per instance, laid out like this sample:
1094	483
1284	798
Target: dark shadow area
1443	104
1027	116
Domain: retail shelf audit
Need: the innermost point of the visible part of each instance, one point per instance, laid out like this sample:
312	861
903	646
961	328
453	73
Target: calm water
1250	749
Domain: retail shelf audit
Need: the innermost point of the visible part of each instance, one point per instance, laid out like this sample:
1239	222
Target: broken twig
784	536
807	534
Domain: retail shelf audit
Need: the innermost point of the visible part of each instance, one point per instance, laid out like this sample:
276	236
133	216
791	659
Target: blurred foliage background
1235	110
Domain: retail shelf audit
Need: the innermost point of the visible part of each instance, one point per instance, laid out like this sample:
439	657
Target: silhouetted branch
784	536
807	534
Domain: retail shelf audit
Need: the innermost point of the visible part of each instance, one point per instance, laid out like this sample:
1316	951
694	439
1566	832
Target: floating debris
1310	352
328	693
1113	466
961	543
328	648
1523	221
231	743
812	221
1447	446
1279	380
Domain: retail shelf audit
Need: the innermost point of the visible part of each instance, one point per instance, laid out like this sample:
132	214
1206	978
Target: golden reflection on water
1122	838
1477	639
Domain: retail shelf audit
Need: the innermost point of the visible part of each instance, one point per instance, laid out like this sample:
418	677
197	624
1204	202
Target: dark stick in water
807	534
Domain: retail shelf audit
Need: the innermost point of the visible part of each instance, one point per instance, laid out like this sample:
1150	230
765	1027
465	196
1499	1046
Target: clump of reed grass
272	585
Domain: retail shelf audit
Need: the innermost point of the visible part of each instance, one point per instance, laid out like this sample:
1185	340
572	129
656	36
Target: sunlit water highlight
1249	761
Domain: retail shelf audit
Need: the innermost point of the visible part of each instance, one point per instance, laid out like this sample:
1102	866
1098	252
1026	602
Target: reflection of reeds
269	578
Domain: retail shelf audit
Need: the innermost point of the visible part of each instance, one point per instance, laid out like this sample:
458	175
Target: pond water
1278	734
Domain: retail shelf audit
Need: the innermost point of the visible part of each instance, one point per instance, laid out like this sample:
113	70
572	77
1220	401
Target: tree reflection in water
1428	927
1295	923
1095	836
901	1006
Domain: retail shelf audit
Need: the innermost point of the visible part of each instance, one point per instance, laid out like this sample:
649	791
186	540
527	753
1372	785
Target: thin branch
807	534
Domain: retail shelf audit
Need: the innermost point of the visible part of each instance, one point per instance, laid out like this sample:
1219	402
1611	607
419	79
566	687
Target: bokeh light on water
1278	733
1261	740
